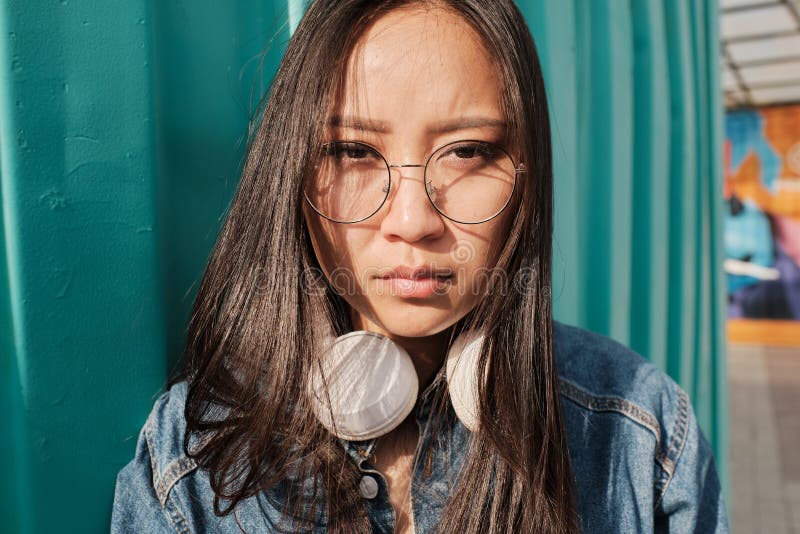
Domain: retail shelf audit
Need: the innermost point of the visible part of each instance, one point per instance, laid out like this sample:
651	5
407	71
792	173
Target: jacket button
368	487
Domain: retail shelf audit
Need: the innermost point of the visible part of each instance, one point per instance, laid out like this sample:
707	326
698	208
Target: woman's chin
409	318
419	324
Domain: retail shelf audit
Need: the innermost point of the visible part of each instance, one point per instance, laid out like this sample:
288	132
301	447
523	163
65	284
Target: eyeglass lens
467	181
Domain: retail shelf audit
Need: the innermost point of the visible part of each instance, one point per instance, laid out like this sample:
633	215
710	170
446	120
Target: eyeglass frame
519	168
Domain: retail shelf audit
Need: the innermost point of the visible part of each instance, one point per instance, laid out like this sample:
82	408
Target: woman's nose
410	215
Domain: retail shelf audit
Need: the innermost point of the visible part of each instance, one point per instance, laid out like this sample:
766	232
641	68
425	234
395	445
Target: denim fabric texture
641	462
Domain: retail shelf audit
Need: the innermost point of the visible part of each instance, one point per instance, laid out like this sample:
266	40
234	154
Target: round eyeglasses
468	181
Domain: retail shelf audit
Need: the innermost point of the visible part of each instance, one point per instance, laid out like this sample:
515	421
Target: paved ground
765	439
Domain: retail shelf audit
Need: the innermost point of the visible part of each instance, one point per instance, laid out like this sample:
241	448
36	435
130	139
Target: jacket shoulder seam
631	410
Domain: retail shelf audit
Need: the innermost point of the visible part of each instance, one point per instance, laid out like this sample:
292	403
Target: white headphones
373	386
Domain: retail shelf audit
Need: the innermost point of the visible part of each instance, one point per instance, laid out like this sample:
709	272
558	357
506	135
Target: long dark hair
255	321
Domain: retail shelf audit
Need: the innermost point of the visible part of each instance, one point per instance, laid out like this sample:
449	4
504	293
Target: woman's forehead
419	65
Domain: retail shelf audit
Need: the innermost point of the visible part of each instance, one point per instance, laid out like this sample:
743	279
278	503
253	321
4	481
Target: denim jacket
641	462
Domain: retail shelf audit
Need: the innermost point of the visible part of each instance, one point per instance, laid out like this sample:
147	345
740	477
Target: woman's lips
418	287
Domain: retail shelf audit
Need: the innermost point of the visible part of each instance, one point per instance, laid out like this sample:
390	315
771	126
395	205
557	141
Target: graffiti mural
762	216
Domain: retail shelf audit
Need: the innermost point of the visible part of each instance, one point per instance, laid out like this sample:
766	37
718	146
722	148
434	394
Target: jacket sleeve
136	506
692	500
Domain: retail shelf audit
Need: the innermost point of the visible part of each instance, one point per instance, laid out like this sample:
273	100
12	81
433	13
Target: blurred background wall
122	131
760	51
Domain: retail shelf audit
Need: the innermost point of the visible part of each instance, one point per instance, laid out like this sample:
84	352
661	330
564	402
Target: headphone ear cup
371	382
462	380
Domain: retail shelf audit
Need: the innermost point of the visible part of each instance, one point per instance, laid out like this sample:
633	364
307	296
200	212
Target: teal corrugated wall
636	108
121	136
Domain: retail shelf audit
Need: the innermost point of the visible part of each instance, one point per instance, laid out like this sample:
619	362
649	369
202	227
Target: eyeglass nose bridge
410	165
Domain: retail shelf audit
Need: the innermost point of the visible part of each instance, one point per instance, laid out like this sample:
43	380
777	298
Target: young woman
372	347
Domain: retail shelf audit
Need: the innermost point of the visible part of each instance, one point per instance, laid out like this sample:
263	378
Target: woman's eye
466	151
342	151
353	153
472	150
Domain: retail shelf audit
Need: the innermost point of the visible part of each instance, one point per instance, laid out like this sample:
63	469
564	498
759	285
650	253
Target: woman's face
418	79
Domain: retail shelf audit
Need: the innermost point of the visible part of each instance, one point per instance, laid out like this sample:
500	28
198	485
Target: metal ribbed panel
121	136
637	119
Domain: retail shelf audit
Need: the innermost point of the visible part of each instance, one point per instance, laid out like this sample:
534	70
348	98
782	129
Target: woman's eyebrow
465	123
360	123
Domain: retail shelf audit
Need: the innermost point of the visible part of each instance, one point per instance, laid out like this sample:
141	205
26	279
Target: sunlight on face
418	79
